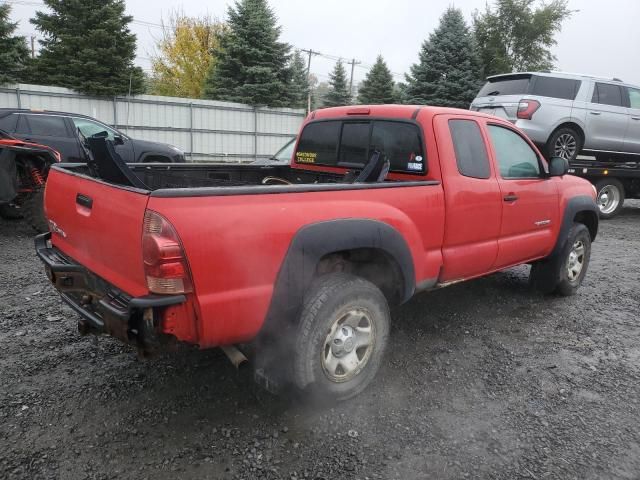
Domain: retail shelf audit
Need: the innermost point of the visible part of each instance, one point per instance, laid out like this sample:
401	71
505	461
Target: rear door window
607	94
506	86
46	125
470	150
634	98
351	143
563	88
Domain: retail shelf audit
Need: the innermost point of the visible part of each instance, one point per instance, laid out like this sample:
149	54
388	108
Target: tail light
526	109
165	264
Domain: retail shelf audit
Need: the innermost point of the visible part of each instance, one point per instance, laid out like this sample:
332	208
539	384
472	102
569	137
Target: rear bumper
103	307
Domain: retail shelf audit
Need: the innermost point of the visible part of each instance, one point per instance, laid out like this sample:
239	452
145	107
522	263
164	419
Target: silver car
566	114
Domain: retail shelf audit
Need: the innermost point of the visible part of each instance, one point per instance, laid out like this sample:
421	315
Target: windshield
511	85
285	153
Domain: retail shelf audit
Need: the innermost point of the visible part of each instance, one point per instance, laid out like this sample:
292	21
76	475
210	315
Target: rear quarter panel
235	245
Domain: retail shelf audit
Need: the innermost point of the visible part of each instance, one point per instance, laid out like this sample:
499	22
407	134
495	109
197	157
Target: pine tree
251	62
299	84
448	71
14	54
88	47
338	93
378	85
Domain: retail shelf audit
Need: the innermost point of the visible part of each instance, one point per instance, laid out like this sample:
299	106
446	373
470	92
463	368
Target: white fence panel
203	129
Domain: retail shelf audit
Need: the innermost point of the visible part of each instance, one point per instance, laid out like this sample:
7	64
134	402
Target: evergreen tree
14	54
515	37
338	93
448	71
252	64
378	86
88	47
299	83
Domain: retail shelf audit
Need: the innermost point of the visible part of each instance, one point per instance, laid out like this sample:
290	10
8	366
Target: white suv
566	114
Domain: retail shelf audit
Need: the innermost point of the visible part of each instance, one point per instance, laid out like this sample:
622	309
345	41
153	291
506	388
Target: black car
59	130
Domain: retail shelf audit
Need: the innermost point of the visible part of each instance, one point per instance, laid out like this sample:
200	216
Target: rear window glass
505	86
319	143
8	123
350	144
471	152
607	94
46	125
564	88
354	144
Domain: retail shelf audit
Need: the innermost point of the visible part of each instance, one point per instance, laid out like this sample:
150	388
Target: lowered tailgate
99	225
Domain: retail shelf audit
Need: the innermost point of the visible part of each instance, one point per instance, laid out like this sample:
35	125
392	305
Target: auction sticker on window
306	157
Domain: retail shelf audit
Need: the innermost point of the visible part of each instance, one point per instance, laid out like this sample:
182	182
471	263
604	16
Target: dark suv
59	130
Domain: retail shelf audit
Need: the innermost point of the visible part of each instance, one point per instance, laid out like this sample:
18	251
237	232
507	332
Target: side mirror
558	167
118	140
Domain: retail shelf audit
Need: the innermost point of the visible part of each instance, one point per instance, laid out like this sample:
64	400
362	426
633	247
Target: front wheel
610	197
564	143
341	337
565	273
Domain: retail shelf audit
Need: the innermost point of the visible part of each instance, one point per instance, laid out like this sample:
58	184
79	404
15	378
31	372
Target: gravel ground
482	380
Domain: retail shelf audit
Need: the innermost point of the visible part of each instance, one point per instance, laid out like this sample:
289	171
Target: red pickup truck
302	261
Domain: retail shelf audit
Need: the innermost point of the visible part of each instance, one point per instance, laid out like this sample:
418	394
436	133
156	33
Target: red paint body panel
105	239
236	244
18	145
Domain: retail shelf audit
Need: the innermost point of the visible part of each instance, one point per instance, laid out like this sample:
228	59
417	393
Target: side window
46	125
607	94
516	159
88	128
470	150
319	143
354	144
563	88
401	143
8	122
634	98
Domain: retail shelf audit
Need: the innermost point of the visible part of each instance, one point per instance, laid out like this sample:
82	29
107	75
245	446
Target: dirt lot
482	380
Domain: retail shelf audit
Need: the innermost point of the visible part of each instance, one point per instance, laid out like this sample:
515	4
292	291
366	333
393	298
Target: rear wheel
342	335
610	197
564	143
33	210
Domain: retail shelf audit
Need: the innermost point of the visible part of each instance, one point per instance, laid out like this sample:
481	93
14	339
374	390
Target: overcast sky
601	38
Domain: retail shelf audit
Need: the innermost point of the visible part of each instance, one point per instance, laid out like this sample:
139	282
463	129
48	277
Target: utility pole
33	46
353	63
310	53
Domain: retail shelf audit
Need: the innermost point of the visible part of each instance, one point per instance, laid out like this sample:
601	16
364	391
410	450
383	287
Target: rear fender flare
313	242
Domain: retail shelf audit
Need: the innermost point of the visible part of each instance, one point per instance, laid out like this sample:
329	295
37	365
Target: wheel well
372	264
590	220
573	126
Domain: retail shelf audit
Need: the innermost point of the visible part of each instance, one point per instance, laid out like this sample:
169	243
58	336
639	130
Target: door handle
84	201
595	113
512	197
635	118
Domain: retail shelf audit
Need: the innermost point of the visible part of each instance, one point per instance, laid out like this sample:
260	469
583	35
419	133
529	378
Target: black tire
610	198
553	275
564	136
33	210
331	299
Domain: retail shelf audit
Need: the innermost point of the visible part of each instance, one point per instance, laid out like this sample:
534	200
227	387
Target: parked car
566	114
281	157
59	130
378	203
24	167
